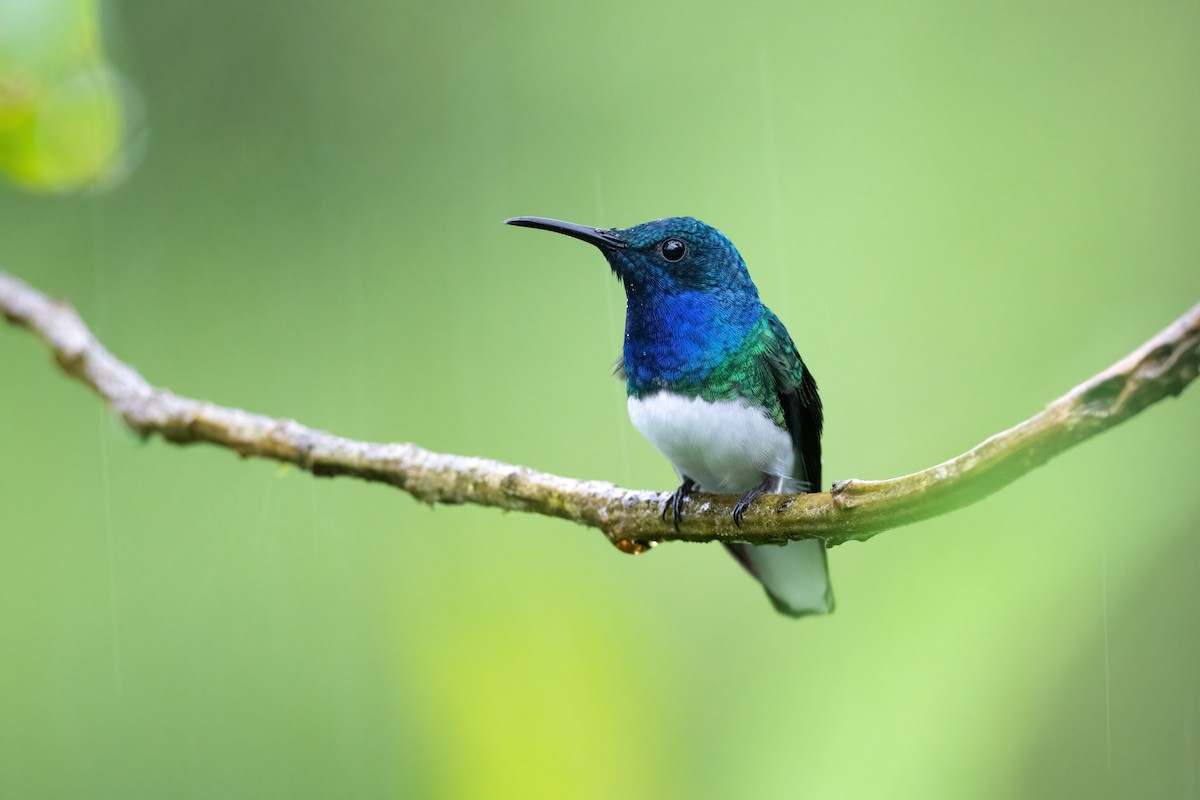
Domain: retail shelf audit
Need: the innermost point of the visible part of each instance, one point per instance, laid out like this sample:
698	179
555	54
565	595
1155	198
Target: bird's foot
674	503
771	483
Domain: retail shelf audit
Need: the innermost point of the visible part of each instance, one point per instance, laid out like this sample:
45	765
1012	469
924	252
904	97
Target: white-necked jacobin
715	383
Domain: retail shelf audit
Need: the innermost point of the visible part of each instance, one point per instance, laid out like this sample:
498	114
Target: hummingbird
716	385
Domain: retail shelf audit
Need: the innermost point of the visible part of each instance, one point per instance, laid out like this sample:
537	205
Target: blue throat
678	338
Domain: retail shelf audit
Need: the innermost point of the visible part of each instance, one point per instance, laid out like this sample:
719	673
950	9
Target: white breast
725	446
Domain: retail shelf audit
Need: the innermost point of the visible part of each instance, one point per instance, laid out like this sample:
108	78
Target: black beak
603	238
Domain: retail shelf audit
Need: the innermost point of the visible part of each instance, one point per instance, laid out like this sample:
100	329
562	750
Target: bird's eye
673	249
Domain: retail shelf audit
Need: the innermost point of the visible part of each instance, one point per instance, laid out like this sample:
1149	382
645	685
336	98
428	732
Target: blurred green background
959	210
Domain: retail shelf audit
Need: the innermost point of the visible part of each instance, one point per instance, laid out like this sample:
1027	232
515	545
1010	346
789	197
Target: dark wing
619	367
797	392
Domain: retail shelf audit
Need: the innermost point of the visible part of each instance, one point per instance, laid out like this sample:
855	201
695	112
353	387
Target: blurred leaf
65	114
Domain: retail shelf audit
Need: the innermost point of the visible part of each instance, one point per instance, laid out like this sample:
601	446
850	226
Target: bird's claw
740	509
674	503
770	483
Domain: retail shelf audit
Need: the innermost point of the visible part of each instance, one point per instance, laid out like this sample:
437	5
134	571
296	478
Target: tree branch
631	519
